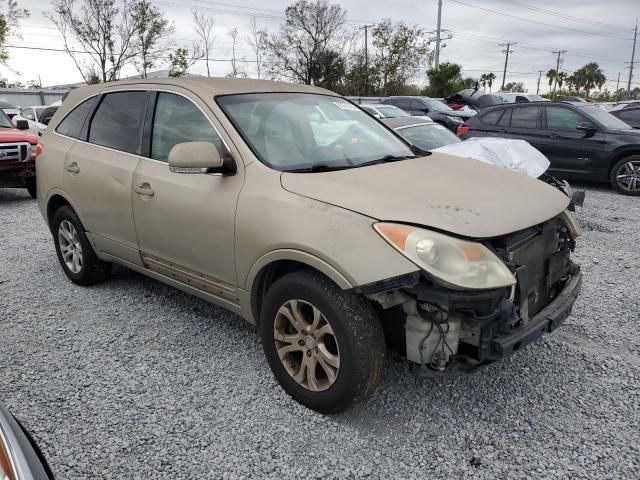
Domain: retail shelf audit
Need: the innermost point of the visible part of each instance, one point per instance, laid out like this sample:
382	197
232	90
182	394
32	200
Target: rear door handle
144	189
72	168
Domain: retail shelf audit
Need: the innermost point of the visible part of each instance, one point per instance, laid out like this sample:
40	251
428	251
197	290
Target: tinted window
506	118
72	123
562	119
630	115
177	120
526	117
117	121
491	117
416	105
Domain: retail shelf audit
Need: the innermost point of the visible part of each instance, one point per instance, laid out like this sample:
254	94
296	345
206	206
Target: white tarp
513	154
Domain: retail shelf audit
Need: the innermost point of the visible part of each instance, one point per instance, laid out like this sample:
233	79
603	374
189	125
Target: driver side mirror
196	157
22	124
588	127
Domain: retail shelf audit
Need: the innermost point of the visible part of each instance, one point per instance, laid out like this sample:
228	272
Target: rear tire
625	175
325	346
76	256
30	184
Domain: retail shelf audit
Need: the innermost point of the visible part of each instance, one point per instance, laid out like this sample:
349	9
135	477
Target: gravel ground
133	379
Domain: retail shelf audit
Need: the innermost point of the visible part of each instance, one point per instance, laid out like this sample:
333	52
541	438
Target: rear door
572	153
522	122
98	171
185	221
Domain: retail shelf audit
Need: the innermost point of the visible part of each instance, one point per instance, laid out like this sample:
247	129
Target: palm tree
589	77
551	75
490	78
483	81
560	78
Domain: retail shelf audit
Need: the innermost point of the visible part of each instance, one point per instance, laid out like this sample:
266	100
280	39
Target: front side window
118	121
283	131
428	136
73	122
28	114
178	120
524	117
559	118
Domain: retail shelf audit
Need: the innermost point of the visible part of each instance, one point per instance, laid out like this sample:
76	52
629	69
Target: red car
18	151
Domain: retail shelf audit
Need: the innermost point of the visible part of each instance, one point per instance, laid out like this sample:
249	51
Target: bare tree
258	41
104	30
182	58
236	71
9	25
312	29
153	28
204	31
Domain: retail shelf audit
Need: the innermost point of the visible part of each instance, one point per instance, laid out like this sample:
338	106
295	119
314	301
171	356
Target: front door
185	221
572	153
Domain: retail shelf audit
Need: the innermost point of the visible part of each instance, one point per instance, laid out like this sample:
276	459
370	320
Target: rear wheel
30	183
325	346
76	256
625	175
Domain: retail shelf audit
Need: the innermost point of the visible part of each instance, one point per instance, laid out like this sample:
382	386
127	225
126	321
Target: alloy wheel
306	345
70	246
628	176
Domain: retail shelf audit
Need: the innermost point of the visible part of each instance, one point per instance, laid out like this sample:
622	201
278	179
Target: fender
300	256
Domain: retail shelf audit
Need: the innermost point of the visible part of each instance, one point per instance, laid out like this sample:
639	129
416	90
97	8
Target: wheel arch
54	202
620	154
273	265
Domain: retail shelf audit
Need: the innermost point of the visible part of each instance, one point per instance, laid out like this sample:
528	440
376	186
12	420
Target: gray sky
476	35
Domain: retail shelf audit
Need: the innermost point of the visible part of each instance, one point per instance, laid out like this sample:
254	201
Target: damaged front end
439	326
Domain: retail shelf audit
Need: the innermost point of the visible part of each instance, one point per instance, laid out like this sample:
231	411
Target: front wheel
30	184
325	346
625	175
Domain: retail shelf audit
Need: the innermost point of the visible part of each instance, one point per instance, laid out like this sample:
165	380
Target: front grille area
15	152
540	258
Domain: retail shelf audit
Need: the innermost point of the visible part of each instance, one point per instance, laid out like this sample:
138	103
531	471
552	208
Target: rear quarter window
71	125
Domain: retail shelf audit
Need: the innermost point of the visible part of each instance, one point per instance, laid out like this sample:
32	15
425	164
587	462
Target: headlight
456	262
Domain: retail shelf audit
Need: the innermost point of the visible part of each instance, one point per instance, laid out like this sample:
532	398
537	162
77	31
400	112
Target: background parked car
434	109
519	97
9	108
473	98
385	111
18	151
422	132
581	141
629	115
33	115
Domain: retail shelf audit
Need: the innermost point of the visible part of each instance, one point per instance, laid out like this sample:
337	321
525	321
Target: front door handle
144	189
72	168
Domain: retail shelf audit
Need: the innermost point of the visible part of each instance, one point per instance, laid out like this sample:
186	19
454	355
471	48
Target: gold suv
300	212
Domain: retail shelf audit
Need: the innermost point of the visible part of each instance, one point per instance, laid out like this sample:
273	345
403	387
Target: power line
506	60
566	16
536	21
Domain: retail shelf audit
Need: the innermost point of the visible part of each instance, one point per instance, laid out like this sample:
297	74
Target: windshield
389	111
4	121
438	106
604	118
428	136
295	131
5	104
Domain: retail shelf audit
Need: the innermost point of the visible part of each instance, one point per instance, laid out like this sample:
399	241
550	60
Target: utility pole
366	59
539	77
506	59
618	82
437	58
555	79
633	54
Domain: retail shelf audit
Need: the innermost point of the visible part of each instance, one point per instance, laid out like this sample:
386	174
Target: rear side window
178	120
524	117
505	121
73	122
559	118
118	120
491	117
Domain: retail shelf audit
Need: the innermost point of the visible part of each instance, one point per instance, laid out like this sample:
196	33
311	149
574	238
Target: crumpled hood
457	195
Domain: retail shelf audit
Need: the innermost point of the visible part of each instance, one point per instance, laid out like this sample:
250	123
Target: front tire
30	184
76	256
325	346
625	175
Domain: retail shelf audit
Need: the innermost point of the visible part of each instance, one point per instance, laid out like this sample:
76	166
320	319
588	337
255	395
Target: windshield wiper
386	159
319	167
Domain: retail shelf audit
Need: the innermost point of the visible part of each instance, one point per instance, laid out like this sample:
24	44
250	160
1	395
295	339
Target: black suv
582	141
438	111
